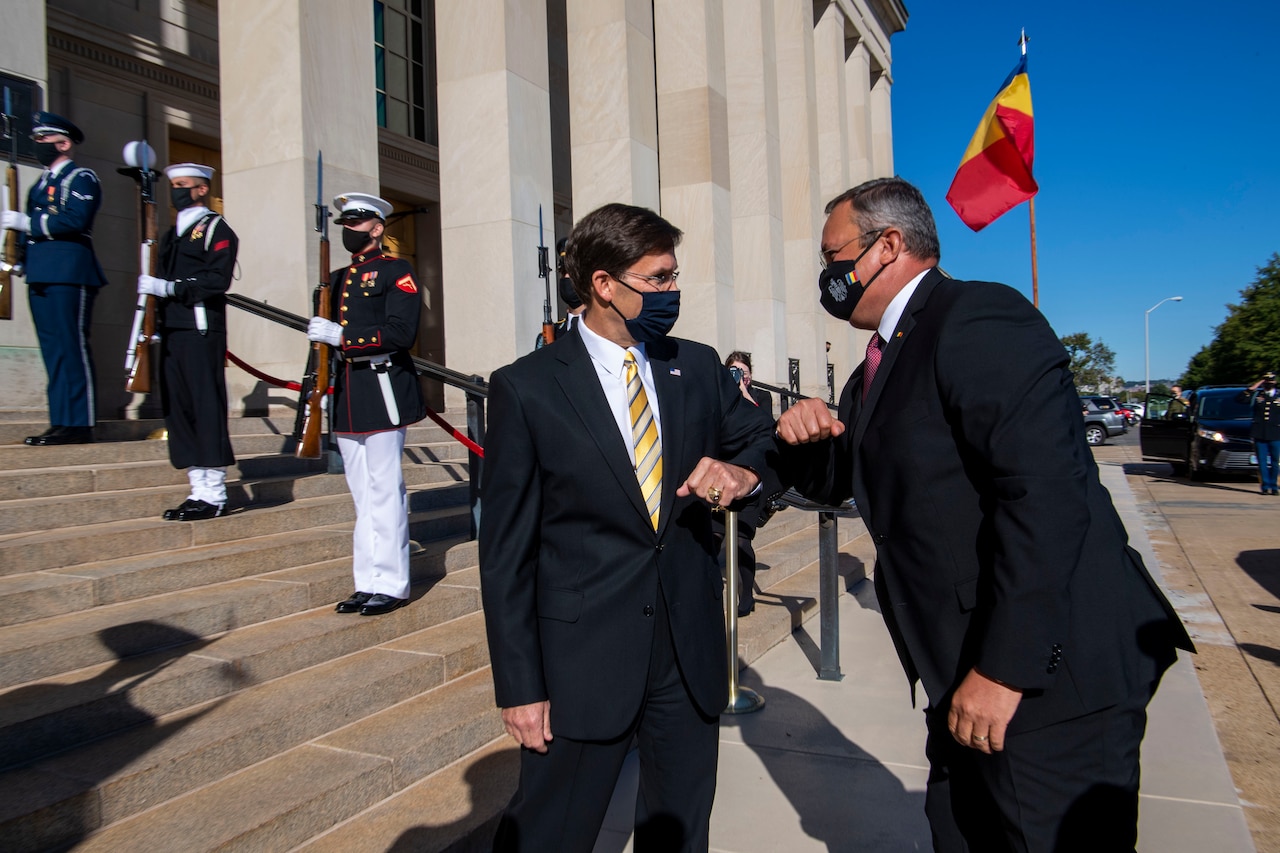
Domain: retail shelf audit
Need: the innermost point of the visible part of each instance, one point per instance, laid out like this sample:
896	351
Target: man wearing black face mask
598	563
1002	568
63	276
376	397
197	261
1265	400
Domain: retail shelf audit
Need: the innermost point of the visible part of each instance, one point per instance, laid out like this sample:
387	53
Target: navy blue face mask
659	311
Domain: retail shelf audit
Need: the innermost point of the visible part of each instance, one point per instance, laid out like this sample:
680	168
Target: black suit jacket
997	546
569	563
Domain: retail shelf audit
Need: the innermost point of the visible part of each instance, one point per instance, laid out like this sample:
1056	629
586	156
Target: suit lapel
892	347
670	385
581	386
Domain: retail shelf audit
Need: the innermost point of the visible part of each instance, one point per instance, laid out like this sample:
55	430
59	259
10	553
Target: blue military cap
42	123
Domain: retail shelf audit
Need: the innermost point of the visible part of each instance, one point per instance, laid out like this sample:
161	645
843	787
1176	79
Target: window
405	67
24	99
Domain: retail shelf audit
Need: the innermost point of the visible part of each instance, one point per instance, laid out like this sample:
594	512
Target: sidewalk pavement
839	766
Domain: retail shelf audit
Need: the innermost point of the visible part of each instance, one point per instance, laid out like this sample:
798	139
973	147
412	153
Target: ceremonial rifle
316	383
139	158
13	247
544	273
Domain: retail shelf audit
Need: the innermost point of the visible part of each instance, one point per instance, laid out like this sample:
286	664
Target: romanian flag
995	172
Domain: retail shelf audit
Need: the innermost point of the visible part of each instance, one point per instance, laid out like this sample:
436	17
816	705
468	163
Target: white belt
380	365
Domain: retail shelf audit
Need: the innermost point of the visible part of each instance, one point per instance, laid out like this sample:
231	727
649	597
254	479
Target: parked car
1101	419
1208	433
1126	412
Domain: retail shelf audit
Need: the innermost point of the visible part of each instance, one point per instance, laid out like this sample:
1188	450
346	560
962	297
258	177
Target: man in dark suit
604	457
1002	570
63	276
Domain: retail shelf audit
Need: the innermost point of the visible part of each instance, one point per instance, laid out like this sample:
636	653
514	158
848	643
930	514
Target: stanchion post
742	700
829	597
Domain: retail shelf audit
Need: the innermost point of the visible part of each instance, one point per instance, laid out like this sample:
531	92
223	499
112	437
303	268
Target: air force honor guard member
63	276
375	398
197	260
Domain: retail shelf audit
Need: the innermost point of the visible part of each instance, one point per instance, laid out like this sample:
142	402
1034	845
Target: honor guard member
375	398
197	260
63	276
1265	432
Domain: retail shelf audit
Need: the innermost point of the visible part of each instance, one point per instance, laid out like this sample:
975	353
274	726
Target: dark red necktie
872	363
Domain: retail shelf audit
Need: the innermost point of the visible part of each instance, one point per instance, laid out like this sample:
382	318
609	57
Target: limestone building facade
736	119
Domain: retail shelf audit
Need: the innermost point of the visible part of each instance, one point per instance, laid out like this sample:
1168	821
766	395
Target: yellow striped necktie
644	438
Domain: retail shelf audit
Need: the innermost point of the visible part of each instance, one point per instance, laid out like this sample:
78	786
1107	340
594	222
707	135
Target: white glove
15	220
149	285
324	331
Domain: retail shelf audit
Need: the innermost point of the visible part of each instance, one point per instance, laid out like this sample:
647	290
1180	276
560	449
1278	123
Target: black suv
1207	433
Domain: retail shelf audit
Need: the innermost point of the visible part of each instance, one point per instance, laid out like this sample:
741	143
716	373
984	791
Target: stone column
832	103
23	54
802	208
310	88
857	74
613	111
495	171
755	168
881	125
693	137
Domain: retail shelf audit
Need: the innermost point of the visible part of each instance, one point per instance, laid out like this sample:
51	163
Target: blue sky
1157	154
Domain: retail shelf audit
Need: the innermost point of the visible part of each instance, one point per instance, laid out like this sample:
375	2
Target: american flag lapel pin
675	371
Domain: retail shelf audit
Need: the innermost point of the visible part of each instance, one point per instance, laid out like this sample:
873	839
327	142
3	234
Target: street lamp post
1147	323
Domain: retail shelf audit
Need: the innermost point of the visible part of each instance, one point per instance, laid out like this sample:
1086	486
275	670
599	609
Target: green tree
1093	364
1247	343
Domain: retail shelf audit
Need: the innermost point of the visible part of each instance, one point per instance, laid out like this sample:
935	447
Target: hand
709	474
806	421
324	331
530	725
15	220
981	709
149	285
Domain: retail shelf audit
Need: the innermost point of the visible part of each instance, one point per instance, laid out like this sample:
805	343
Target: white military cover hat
357	207
188	170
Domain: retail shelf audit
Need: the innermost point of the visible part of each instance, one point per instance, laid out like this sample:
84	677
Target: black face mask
355	241
181	197
839	289
567	293
47	152
659	310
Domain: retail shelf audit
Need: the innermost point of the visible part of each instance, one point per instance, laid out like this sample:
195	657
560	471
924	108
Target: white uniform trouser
380	547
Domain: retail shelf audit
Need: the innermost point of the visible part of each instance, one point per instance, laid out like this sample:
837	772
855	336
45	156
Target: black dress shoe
354	603
63	435
199	511
35	440
172	514
746	608
379	604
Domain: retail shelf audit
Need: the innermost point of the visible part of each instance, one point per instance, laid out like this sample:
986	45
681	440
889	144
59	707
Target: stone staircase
180	685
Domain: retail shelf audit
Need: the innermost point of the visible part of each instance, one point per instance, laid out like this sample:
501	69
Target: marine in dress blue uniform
375	398
63	276
197	262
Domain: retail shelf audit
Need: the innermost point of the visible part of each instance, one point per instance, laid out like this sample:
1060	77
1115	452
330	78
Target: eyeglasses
661	282
826	257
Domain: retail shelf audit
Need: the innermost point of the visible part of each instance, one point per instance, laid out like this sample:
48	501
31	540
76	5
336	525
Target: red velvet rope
294	386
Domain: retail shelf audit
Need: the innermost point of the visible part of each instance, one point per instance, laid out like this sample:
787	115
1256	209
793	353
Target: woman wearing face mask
375	398
63	276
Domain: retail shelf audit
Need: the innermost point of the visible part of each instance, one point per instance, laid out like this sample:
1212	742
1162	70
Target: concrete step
73	708
44	648
13	431
19	456
328	779
150	764
74	510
